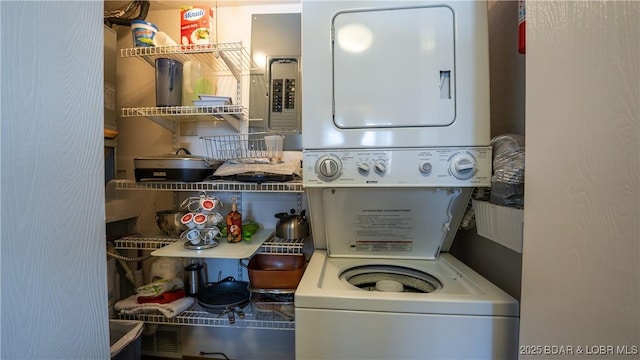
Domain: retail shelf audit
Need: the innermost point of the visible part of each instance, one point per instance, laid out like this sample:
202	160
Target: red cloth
163	298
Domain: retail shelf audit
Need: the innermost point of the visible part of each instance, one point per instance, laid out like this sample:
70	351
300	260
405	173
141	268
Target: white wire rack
146	243
273	245
282	246
294	186
240	146
187	111
226	56
236	115
198	317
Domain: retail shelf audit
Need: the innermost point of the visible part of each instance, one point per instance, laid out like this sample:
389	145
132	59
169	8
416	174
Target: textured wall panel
581	255
53	273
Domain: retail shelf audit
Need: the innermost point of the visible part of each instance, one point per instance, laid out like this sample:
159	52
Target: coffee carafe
195	275
168	82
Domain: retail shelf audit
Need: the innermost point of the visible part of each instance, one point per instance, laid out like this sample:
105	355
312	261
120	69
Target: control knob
380	167
425	167
328	167
363	168
463	166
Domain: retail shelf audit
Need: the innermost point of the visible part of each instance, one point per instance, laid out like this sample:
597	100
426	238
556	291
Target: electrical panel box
275	91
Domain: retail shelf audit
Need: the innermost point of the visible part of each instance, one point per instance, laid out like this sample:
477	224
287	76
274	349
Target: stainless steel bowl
169	222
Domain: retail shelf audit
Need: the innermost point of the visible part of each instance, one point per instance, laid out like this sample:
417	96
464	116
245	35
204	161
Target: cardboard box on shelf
197	25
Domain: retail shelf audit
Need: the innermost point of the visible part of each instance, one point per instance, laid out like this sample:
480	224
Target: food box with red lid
197	25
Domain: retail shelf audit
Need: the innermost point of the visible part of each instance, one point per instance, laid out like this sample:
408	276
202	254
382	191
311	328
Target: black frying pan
224	295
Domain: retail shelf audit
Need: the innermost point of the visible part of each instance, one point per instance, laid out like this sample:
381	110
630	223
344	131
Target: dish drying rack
249	146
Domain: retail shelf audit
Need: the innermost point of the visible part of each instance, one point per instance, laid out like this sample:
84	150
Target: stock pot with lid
174	167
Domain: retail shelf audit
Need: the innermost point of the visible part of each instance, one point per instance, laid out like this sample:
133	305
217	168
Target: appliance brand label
193	14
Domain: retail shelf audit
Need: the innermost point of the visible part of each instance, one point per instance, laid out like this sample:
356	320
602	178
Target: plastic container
168	82
143	33
266	307
124	339
196	79
274	145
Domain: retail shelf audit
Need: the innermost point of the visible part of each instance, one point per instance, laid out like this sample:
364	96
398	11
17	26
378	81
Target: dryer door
394	68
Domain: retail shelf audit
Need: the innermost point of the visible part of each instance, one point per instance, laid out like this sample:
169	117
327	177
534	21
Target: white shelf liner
225	250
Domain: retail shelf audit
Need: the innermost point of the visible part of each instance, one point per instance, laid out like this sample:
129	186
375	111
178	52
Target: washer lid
403	223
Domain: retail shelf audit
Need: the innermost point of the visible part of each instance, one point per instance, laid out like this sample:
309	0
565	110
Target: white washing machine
384	286
395	135
465	317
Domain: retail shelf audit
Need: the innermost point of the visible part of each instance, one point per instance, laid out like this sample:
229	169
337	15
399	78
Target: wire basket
268	307
243	146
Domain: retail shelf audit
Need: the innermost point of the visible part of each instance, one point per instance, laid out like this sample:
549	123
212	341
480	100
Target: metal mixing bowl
169	222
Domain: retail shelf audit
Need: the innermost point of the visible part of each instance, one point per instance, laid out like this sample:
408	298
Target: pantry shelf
214	185
195	113
224	250
227	58
203	318
272	245
144	243
221	57
166	116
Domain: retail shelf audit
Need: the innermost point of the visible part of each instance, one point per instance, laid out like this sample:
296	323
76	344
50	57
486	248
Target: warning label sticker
383	230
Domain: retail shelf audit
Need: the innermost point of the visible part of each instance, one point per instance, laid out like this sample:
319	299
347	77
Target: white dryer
394	74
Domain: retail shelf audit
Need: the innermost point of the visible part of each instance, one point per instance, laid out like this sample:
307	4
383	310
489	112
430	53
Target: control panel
465	166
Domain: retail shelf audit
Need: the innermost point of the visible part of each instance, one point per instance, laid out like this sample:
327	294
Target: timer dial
463	166
328	167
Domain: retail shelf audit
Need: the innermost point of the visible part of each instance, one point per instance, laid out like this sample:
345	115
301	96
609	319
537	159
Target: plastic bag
507	182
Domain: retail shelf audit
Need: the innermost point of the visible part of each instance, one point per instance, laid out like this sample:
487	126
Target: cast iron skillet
224	295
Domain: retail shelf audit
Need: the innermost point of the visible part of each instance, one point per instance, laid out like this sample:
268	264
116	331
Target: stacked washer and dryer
395	137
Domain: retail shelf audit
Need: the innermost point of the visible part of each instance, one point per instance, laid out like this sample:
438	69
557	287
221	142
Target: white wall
581	256
53	270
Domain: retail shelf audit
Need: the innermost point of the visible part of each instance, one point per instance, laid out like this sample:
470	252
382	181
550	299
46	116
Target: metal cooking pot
174	167
226	296
292	226
169	222
271	271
